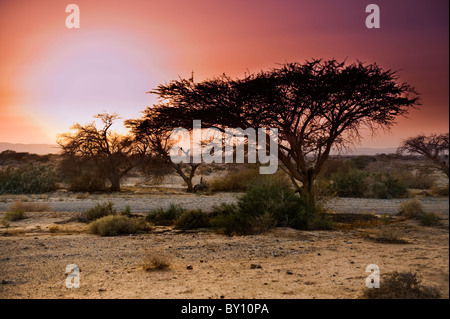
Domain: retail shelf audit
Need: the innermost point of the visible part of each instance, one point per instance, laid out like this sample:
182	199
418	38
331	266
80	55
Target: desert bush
29	206
165	217
402	285
27	179
87	183
352	183
234	181
429	219
389	235
98	211
440	191
411	208
126	211
361	162
155	261
14	215
265	205
192	219
114	225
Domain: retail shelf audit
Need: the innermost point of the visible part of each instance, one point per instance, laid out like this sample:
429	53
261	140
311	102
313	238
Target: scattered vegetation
27	179
389	235
114	225
402	285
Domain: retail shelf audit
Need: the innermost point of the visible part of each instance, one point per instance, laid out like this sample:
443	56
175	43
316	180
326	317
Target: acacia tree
113	154
152	130
316	107
434	147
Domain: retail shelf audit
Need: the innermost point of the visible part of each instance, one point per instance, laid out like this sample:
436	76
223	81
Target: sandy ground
286	263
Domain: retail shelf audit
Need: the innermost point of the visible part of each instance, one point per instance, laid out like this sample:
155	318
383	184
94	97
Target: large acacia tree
316	106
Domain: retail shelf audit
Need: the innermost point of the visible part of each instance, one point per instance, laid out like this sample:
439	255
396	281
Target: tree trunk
115	182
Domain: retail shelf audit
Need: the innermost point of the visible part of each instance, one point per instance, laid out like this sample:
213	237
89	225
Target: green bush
429	219
265	205
352	183
165	217
14	215
192	219
98	211
27	179
114	225
87	183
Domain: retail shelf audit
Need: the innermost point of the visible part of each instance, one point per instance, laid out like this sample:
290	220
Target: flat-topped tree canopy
316	106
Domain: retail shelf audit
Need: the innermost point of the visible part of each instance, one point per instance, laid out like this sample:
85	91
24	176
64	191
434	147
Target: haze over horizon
52	76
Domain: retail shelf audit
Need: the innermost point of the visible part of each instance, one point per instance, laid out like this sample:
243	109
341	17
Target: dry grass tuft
29	207
156	260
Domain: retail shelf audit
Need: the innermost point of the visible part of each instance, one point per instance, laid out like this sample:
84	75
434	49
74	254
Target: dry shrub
29	207
113	225
402	285
53	229
13	215
156	260
411	209
389	235
429	219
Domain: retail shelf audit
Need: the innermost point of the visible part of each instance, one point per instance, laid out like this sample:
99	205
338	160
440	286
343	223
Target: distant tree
152	131
316	107
111	153
434	147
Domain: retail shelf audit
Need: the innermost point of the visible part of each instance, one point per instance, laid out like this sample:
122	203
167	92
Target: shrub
27	179
265	205
389	235
14	215
155	261
126	211
402	285
114	225
29	207
350	184
98	211
165	217
192	219
440	191
412	208
429	219
236	181
87	182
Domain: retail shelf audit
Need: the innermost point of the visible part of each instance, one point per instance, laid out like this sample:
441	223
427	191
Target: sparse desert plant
165	217
192	219
389	235
126	211
402	285
351	183
155	260
411	208
30	206
429	219
98	211
114	225
234	181
14	215
53	229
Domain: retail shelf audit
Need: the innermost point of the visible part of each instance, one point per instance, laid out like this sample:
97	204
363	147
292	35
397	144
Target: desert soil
283	263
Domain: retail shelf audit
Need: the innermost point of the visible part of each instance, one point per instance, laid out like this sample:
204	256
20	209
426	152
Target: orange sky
51	76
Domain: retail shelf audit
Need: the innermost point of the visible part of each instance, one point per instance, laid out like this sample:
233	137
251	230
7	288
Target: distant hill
41	149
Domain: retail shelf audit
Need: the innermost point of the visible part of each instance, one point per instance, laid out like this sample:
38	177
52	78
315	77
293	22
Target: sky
52	76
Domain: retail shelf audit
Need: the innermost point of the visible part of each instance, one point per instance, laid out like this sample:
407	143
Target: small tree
113	154
434	147
152	131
